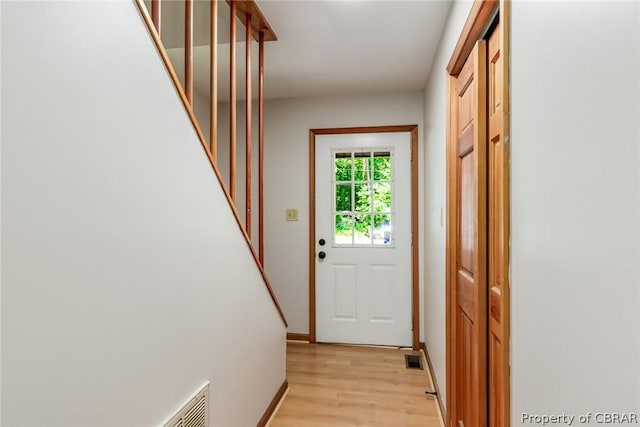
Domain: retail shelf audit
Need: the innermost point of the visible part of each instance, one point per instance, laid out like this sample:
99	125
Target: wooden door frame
415	277
483	13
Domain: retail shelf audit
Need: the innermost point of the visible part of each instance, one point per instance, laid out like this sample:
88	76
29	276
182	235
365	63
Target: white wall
286	183
202	114
575	207
125	281
201	111
435	194
0	218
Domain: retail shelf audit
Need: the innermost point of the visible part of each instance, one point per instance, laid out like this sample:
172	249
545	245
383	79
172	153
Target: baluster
188	50
232	103
248	124
261	148
156	6
213	80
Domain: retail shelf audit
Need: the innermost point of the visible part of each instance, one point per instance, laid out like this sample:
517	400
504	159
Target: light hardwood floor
334	385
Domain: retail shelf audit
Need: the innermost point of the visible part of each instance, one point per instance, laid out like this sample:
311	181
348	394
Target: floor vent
195	413
413	361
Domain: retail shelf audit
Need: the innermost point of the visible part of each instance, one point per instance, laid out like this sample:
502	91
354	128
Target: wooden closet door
468	281
498	360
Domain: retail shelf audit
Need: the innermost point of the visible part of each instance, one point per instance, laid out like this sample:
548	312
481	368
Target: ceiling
327	47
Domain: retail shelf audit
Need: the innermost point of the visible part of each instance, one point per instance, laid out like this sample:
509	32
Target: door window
362	198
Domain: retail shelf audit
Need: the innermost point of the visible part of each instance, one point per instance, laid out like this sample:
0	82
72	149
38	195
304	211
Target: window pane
362	167
382	167
362	198
343	234
362	230
382	197
343	164
381	229
343	198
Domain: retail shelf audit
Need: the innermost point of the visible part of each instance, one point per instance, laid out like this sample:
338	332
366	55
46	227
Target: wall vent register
195	413
413	361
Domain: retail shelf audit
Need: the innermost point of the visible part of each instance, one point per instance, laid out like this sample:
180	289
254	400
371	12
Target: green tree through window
362	192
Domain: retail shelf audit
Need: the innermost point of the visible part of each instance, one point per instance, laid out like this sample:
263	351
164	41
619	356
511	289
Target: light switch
292	214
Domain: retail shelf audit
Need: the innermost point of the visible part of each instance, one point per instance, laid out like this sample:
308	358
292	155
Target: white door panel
346	293
363	212
382	292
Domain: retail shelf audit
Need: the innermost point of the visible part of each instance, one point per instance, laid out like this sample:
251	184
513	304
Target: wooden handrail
258	23
248	126
176	82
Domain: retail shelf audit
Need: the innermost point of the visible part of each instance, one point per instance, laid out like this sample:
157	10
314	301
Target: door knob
322	255
322	242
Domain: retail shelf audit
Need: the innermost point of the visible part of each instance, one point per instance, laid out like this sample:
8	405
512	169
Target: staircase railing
160	18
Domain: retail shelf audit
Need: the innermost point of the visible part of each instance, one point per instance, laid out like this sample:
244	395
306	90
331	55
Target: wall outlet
291	214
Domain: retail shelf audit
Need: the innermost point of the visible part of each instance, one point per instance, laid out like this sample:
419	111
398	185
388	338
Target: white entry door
363	238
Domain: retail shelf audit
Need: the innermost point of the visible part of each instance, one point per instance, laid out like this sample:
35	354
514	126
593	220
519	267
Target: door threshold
390	347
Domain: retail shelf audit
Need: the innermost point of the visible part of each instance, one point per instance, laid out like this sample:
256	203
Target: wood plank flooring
334	385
